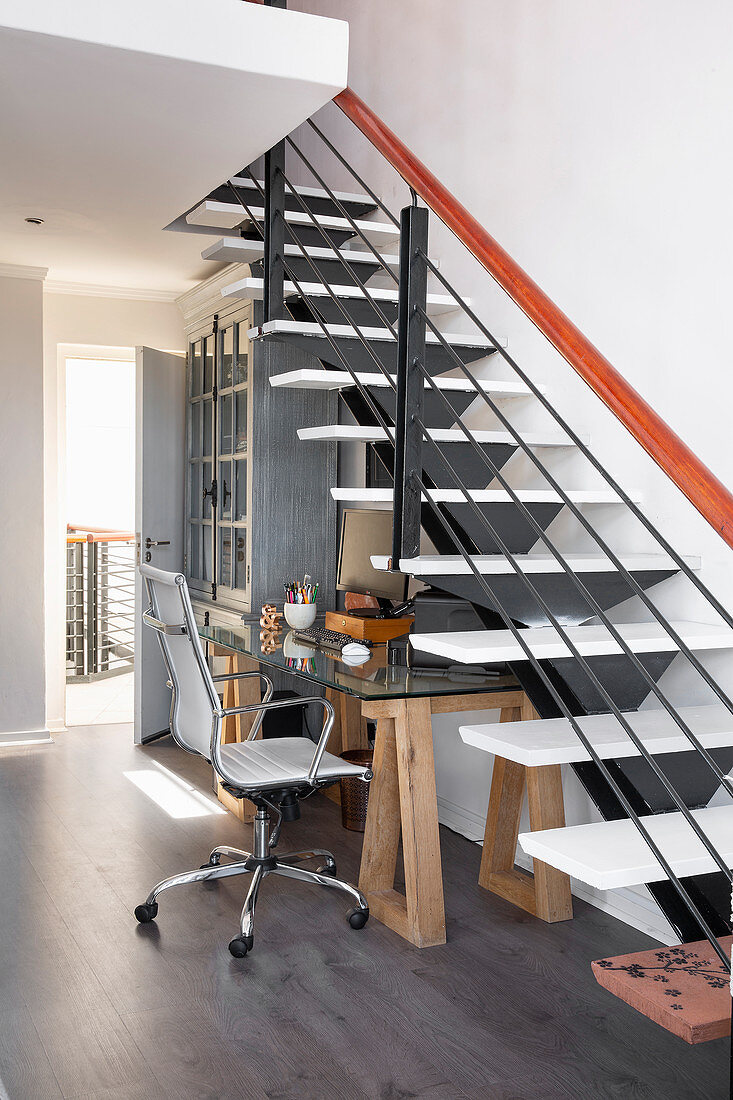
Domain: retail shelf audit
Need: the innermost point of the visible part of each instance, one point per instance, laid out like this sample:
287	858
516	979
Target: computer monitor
363	533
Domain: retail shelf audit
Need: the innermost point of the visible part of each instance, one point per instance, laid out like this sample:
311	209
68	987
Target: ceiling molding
93	290
206	296
20	271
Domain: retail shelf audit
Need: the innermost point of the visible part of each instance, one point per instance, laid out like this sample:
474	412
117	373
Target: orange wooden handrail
701	487
96	534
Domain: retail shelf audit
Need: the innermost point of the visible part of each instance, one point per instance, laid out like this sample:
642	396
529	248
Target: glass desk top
384	675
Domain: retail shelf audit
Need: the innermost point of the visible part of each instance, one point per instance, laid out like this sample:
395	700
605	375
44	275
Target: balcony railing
100	603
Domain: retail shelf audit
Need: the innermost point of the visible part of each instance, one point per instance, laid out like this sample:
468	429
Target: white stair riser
228	215
474	647
251	288
612	854
540	743
497	565
307	379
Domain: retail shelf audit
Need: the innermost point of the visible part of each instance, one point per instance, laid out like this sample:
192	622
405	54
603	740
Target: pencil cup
299	615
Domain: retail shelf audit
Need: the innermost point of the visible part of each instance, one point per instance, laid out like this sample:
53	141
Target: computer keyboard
327	639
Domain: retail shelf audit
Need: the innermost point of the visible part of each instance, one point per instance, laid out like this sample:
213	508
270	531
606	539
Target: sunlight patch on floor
172	794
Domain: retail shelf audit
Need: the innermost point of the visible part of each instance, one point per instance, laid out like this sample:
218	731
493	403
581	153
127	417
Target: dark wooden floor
93	1005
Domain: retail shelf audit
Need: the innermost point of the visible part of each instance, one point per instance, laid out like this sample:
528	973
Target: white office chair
274	774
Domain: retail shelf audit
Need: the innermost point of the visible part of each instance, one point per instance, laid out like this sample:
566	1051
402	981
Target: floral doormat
685	988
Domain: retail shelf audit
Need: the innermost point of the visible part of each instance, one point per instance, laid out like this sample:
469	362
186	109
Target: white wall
83	324
592	140
22	672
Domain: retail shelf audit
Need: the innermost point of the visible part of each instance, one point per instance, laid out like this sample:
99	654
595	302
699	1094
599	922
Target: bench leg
403	800
546	894
553	899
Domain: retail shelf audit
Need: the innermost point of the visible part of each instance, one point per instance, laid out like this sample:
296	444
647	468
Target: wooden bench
546	894
529	752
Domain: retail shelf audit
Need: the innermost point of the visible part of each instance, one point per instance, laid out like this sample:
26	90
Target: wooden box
371	630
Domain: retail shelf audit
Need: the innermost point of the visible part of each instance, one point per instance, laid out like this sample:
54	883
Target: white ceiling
115	117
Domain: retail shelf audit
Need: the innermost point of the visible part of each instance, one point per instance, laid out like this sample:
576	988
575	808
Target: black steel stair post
410	383
273	307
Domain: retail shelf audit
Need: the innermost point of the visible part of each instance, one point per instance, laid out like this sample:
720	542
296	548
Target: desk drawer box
371	630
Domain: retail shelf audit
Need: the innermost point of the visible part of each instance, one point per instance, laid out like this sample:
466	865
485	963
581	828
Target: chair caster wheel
357	918
145	913
327	869
240	945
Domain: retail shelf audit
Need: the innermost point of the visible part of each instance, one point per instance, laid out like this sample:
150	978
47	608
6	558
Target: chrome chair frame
260	862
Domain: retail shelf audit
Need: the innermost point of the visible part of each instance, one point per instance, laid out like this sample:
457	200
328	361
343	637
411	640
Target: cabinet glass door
200	448
217	489
232	480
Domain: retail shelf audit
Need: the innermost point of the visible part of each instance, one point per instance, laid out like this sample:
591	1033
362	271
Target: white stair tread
348	332
451	565
613	854
248	184
488	496
228	215
251	287
554	741
242	251
476	647
357	433
309	378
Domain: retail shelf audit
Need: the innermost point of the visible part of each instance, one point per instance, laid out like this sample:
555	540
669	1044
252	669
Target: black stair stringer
558	592
361	358
384	452
317	204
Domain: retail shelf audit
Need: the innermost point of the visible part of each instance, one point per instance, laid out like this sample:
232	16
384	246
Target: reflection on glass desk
377	678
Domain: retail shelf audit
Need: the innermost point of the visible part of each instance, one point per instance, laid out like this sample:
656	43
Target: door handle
156	542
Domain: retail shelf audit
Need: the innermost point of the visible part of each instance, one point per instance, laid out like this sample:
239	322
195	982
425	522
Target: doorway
100	541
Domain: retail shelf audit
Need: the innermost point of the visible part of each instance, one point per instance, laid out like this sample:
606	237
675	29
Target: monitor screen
364	533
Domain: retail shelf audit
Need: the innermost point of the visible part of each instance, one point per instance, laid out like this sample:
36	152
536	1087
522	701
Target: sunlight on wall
100	443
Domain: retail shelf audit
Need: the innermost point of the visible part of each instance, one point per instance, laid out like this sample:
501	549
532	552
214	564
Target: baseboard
461	820
634	907
22	737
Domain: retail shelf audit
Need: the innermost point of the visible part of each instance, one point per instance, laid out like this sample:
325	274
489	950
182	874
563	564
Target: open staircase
344	279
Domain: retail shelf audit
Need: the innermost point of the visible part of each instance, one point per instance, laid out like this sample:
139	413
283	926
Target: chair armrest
161	627
241	676
298	701
266	698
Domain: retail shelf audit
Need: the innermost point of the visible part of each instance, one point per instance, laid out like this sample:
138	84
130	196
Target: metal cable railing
363	391
308	298
600	763
585	451
367	294
594	606
344	212
570	504
100	604
361	182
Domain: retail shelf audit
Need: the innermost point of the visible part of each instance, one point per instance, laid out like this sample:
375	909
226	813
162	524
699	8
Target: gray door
160	391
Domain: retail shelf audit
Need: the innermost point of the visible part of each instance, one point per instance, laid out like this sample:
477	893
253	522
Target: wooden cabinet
259	510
